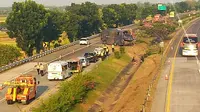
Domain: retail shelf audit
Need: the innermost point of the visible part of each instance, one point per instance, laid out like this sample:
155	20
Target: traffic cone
166	77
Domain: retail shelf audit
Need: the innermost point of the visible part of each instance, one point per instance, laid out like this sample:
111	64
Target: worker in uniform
105	47
38	68
142	58
107	51
102	55
41	69
113	48
134	60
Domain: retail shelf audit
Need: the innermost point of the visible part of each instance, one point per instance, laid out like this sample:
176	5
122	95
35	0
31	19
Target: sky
8	3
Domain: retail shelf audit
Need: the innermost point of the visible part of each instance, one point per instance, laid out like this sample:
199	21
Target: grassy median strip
75	91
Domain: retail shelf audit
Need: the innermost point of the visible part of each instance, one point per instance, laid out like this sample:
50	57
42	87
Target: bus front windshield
190	39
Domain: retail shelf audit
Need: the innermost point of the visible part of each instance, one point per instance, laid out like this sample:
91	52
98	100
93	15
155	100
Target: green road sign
162	7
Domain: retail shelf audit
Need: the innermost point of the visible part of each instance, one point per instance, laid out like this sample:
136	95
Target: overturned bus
118	37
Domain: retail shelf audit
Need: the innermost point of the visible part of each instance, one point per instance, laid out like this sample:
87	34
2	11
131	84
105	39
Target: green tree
8	54
25	23
110	17
53	29
73	19
160	30
91	22
83	20
72	27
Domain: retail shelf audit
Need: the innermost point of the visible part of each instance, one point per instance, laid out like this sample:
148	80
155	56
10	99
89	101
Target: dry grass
2	18
133	96
3	34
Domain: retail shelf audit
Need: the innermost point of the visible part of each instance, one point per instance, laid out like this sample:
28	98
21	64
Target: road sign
171	14
162	7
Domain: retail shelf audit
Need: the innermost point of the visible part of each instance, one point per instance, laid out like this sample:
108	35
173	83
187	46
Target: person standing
107	51
41	69
142	58
113	48
38	68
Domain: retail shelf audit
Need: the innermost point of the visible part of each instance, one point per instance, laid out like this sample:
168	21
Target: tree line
32	24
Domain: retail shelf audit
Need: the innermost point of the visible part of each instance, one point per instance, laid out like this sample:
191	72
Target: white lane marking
2	100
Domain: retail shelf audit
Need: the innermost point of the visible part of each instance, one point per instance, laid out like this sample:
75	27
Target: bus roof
190	35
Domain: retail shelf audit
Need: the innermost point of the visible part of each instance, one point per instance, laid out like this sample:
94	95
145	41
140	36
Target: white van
58	70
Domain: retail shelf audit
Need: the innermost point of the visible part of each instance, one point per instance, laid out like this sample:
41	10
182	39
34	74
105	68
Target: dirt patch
133	96
108	100
136	50
7	39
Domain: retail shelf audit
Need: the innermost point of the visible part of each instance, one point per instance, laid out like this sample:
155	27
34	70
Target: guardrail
28	59
31	58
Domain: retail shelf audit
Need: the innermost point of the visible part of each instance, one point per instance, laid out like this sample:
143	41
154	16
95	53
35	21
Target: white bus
58	70
190	45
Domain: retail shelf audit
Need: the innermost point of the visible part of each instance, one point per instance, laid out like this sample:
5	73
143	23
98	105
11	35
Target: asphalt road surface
181	92
44	85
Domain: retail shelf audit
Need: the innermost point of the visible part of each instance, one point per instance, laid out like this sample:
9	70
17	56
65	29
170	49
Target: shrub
153	49
69	94
8	54
117	54
122	49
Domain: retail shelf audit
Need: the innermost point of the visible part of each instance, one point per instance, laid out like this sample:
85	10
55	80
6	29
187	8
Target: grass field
103	75
2	18
3	34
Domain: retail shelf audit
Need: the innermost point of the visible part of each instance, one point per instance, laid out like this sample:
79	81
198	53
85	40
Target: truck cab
75	65
21	89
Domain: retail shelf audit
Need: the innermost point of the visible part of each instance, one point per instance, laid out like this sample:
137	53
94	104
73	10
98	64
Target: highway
181	92
44	85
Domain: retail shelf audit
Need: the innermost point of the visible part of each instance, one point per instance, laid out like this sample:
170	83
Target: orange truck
21	89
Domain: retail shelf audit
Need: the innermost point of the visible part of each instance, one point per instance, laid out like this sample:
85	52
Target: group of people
40	68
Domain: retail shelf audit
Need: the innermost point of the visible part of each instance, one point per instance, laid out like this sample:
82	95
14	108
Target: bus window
190	39
66	67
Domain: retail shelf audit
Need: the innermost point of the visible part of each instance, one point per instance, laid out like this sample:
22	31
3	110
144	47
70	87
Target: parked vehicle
84	61
91	56
58	70
119	37
84	41
75	65
100	51
21	89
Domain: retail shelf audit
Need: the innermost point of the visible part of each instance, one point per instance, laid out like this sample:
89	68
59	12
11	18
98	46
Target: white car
84	61
84	41
98	51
